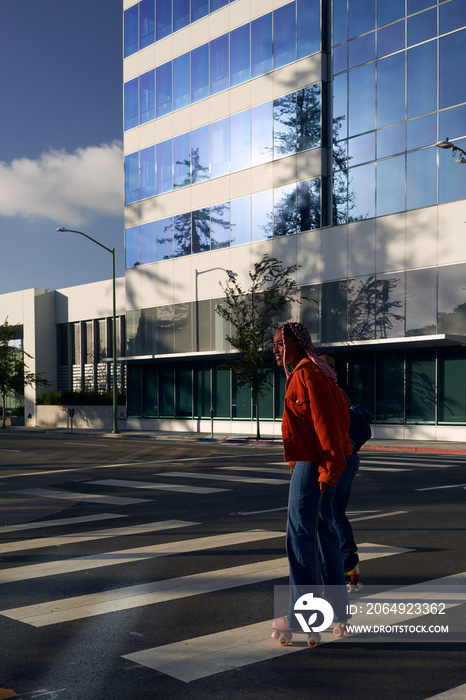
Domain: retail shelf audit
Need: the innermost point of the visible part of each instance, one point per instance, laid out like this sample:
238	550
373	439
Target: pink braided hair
301	334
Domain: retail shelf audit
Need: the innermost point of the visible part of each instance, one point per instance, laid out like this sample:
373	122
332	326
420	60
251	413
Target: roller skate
353	583
282	632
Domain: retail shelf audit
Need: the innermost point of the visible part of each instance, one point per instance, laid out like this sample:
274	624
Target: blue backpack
360	429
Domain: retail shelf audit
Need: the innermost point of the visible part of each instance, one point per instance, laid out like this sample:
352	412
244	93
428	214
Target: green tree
252	314
14	374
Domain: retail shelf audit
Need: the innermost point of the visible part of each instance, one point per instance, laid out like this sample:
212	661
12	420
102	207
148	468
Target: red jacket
315	421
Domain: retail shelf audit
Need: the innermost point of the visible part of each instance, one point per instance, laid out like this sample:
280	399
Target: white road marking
123	483
438	488
86	497
258	470
73	469
224	477
255	512
382	469
87	444
200	657
416	465
125	556
39	524
458	693
41	542
79	607
5	449
380	515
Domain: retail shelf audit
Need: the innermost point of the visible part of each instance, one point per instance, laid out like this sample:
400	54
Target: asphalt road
141	569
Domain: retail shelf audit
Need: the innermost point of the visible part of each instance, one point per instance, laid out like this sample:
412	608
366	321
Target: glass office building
305	130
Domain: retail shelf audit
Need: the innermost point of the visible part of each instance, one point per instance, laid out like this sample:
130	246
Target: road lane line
380	515
123	483
458	693
39	524
259	470
382	469
77	497
224	477
438	488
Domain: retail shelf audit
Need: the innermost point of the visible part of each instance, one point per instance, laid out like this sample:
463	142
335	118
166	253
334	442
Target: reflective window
133	255
422	90
340	21
220	147
418	5
310	310
131	30
421	302
334	311
164	89
452	58
199	9
390	185
452	123
183	382
165	327
200	232
422	27
147	172
391	39
340	198
361	374
361	149
240	214
284	125
146	23
182	160
421	178
262	215
361	308
391	141
219	64
284	210
390	305
200	156
451	186
200	73
421	132
181	81
308	200
240	138
390	11
262	133
361	192
182	234
340	107
240	58
451	386
220	226
340	58
217	4
131	178
361	50
308	117
148	243
180	14
147	97
420	386
361	17
284	35
164	166
452	299
362	99
390	387
163	18
131	104
261	45
452	15
308	12
165	239
391	90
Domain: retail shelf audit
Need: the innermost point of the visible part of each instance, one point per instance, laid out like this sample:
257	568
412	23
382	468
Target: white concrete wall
85	417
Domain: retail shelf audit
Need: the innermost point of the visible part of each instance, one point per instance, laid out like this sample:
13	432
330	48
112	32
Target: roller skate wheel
349	587
275	634
284	640
313	640
339	630
358	587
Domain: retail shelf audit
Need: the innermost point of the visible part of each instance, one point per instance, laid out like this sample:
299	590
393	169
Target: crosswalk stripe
224	477
259	470
125	556
86	497
380	515
123	483
438	488
53	612
200	657
382	469
145	528
39	524
458	693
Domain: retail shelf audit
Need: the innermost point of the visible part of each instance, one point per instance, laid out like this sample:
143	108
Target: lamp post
455	149
115	391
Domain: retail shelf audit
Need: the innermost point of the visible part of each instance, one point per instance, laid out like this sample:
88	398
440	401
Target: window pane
149	392
391	39
201	230
202	382
240	129
340	21
421	178
220	226
340	198
361	17
133	255
131	30
452	123
182	160
284	125
421	302
164	167
422	90
361	149
180	14
361	192
165	239
452	299
361	379
220	147
200	73
184	391
451	386
390	387
422	27
334	312
166	377
390	306
451	187
131	104
284	35
361	308
163	86
261	45
391	90
163	18
308	205
361	50
262	133
240	211
340	107
308	117
240	55
390	11
219	64
200	157
131	178
310	310
147	172
340	58
390	185
421	132
241	401
391	141
148	242
308	27
181	81
452	15
452	59
199	8
147	96
146	23
262	215
284	214
362	99
418	5
221	392
420	386
182	234
217	4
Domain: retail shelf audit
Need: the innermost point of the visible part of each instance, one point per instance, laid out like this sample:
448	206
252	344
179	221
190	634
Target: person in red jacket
315	440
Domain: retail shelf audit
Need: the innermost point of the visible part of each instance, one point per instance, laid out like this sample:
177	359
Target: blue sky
60	141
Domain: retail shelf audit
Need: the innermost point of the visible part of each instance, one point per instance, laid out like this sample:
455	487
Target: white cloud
63	186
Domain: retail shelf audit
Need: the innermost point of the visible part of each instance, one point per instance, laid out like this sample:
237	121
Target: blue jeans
312	536
340	502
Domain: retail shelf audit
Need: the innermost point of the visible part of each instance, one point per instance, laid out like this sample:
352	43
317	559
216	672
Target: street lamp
455	149
115	391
